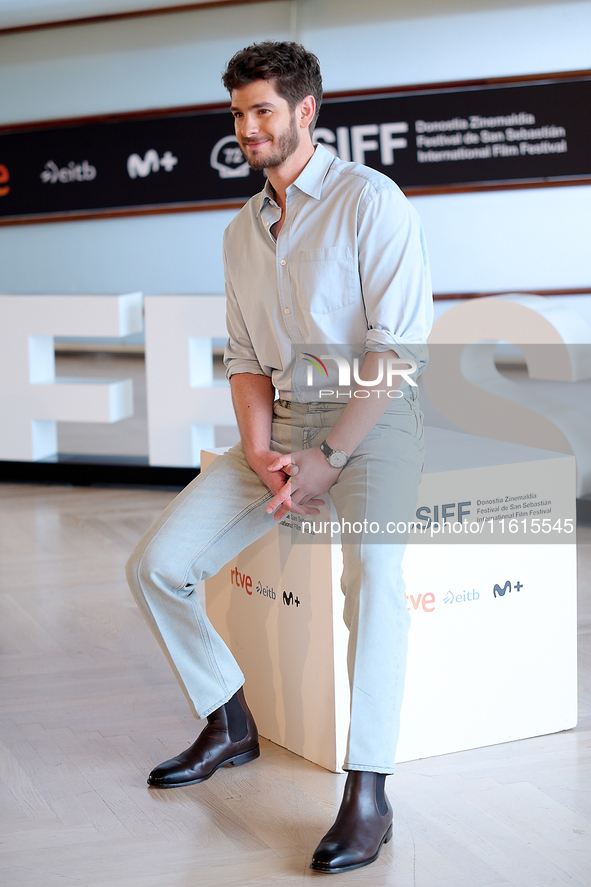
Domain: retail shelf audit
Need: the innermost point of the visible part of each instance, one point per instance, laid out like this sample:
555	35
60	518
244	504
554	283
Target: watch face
338	459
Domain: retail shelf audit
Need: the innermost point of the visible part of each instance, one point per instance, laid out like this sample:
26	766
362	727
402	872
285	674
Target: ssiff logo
353	144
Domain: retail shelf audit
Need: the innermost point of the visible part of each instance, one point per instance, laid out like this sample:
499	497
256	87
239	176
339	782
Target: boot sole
322	867
237	760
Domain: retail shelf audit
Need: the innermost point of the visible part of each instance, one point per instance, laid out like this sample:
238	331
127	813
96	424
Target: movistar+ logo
506	587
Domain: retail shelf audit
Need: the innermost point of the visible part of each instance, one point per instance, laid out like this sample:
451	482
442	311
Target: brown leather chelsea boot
230	737
363	824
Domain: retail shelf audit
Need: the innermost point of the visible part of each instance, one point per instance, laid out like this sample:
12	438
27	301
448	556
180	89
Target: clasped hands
297	480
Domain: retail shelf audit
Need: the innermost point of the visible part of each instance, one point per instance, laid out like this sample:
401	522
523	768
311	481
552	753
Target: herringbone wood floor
89	705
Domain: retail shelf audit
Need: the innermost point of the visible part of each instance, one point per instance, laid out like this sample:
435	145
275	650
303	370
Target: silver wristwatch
336	458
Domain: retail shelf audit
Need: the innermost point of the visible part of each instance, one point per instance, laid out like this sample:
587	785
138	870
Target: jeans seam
200	622
207	644
220	533
205	637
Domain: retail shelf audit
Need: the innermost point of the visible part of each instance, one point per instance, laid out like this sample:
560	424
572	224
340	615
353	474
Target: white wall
15	13
487	241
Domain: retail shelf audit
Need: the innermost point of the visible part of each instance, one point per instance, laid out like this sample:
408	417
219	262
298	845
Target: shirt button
286	311
283	262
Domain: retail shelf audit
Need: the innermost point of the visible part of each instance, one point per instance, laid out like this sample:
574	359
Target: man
329	253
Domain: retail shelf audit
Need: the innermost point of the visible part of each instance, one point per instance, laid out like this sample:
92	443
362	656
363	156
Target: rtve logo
424	601
151	163
241	580
355	142
4	177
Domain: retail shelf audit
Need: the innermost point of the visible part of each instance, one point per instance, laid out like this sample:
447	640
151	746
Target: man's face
265	125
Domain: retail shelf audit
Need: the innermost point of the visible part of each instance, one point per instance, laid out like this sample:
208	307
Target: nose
250	125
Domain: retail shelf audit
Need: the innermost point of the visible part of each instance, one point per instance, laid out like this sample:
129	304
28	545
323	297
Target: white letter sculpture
184	401
32	398
465	386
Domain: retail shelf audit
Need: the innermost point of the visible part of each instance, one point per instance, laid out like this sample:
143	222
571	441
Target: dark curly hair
294	70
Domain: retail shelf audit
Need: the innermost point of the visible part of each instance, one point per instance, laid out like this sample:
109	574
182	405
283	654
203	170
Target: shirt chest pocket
326	279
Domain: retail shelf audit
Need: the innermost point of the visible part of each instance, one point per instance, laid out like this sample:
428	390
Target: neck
281	177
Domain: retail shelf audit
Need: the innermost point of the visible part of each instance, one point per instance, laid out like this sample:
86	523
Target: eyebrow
254	107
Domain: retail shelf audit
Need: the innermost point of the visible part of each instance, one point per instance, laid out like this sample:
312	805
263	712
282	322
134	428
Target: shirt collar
310	180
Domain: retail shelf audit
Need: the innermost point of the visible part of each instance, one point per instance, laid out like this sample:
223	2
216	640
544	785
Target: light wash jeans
224	510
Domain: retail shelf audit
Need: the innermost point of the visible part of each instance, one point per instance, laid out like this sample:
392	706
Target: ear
306	111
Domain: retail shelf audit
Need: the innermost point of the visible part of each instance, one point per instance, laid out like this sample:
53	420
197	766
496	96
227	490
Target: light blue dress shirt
349	267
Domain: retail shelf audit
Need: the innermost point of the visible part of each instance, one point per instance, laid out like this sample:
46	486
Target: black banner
469	136
426	139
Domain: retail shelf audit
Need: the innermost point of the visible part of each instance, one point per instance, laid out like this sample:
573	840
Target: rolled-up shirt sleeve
239	354
395	277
